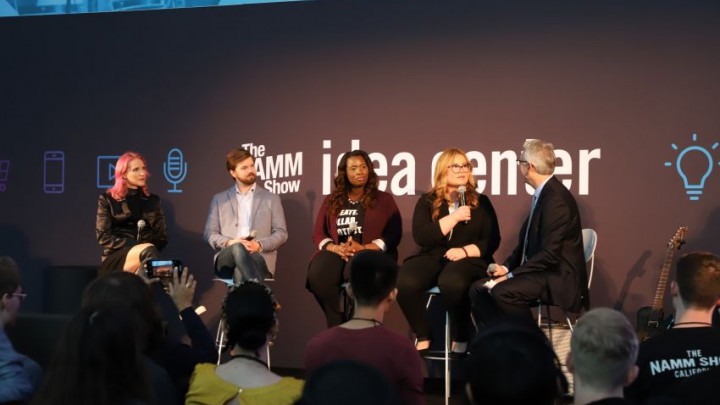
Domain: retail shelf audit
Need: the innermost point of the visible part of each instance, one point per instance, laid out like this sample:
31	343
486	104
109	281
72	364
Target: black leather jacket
116	229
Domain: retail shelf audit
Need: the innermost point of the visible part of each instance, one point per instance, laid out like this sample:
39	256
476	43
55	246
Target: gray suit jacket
268	219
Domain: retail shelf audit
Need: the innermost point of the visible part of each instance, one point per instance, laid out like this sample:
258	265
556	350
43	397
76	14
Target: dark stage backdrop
620	87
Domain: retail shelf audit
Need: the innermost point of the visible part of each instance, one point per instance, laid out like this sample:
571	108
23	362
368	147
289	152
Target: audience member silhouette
603	350
363	338
19	375
513	363
250	319
132	292
98	362
669	361
348	383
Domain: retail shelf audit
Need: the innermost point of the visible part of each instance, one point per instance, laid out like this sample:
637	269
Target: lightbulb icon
694	165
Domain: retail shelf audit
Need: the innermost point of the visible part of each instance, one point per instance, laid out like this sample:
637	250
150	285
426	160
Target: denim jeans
243	265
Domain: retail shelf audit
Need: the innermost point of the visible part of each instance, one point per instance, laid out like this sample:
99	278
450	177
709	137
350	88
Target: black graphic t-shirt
350	222
671	357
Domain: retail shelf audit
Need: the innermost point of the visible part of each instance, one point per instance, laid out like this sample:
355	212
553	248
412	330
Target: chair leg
267	352
269	343
447	358
567	319
349	308
220	339
343	302
346	302
549	323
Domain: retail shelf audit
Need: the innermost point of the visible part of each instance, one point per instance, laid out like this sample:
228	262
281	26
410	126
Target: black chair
37	335
64	287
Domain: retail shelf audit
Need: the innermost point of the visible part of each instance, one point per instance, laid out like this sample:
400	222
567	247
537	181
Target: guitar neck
674	244
662	283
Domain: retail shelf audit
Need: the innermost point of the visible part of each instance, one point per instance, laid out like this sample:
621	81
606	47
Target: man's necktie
527	230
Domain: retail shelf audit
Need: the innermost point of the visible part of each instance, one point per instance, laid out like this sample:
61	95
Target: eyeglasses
456	168
519	162
21	296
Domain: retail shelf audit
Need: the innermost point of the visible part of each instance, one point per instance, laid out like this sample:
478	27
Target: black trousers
509	299
420	273
326	272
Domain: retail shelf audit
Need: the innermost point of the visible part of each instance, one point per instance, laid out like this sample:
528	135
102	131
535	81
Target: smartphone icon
54	180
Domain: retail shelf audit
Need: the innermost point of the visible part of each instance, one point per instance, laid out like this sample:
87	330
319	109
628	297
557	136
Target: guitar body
649	322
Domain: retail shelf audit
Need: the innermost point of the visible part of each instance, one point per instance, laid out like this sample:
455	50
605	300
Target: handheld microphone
461	196
461	192
140	226
253	235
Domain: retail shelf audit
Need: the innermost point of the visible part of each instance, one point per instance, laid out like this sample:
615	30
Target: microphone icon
175	169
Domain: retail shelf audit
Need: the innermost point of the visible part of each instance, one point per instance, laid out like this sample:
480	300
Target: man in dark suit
548	262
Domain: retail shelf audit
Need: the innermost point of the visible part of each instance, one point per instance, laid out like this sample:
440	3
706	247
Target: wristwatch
260	248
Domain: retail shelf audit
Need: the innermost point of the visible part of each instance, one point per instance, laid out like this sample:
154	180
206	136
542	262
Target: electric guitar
650	319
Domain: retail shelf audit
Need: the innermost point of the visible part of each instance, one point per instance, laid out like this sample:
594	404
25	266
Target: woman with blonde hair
457	231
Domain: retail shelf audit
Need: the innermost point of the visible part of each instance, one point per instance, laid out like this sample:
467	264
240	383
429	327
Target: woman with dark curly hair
354	217
250	320
457	231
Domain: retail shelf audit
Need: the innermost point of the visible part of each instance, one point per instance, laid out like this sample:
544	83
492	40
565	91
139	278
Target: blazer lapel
536	211
532	220
233	204
257	197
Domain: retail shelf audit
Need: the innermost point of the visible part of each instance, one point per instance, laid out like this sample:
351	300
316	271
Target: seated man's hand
252	246
498	272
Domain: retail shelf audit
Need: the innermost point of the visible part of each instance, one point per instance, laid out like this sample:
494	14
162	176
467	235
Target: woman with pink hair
130	224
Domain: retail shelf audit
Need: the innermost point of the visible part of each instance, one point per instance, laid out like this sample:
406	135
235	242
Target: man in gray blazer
245	224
